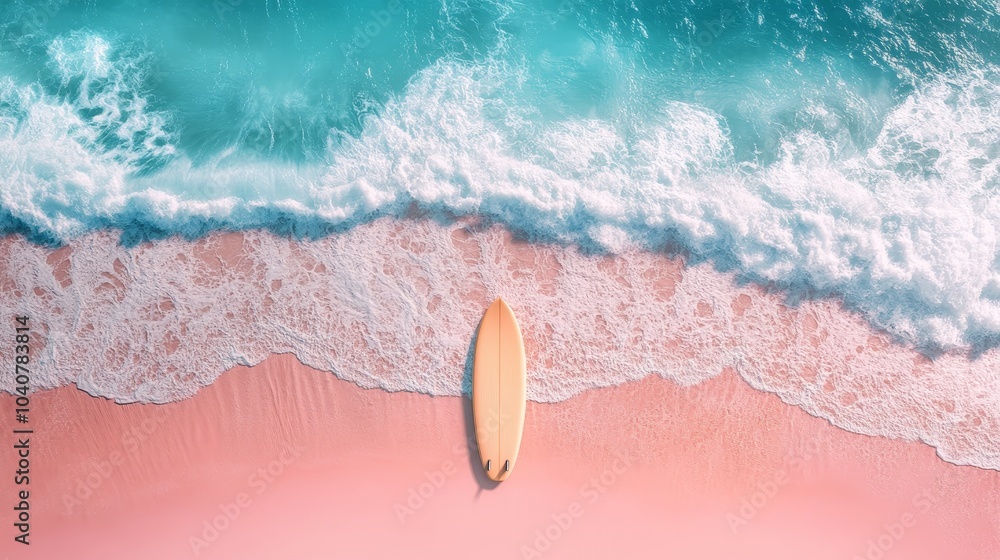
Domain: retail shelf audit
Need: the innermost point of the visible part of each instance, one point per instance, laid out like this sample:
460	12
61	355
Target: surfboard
498	390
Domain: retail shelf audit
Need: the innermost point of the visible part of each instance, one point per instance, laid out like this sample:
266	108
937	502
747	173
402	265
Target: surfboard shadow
470	423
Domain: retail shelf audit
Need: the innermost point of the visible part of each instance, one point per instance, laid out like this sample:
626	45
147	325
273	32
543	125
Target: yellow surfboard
498	390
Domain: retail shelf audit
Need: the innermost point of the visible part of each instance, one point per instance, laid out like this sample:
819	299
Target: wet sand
282	461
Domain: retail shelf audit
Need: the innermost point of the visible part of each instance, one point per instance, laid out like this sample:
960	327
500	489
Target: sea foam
395	304
904	230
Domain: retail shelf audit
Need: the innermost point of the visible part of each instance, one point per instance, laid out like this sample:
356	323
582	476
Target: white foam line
393	304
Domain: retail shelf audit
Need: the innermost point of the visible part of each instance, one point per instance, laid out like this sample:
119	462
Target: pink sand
681	470
393	304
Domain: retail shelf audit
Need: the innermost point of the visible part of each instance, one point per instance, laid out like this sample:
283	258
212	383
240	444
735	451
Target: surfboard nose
501	306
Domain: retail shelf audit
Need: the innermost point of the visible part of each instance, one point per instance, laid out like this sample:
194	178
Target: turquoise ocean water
847	149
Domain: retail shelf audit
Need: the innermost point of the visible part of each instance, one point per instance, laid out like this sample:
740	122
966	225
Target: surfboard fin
488	464
506	465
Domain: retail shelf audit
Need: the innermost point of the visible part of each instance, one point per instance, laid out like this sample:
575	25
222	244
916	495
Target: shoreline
402	318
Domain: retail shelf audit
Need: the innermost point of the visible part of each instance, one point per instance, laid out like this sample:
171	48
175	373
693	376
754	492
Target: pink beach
281	461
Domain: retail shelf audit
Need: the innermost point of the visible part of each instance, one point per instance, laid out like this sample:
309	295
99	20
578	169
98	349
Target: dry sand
289	462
